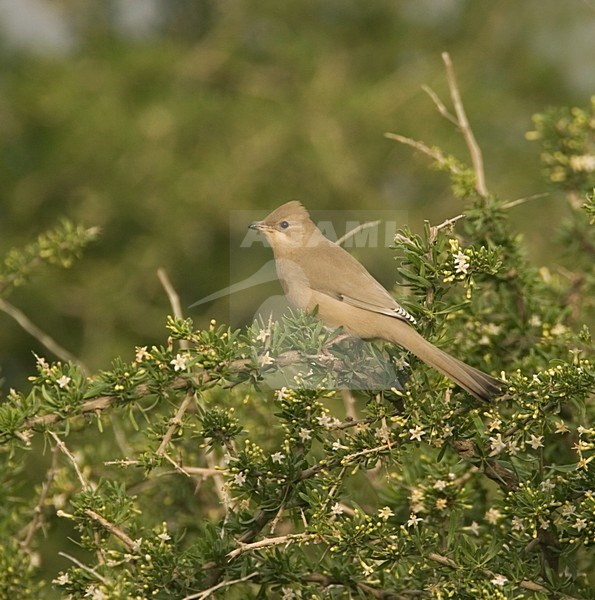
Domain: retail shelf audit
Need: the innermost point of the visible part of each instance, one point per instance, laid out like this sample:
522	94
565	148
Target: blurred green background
155	120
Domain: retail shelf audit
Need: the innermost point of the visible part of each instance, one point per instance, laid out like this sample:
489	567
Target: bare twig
206	593
178	467
130	544
267	542
355	230
518	201
83	566
440	105
37	521
433	153
84	483
524	584
43	338
174	300
174	424
463	124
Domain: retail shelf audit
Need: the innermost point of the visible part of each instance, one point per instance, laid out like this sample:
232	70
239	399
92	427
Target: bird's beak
258	225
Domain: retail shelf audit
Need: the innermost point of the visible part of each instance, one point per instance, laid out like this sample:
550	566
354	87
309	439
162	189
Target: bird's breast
295	283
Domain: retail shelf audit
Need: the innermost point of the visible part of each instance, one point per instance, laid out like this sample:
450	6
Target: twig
206	593
83	566
433	153
174	424
130	544
326	581
518	201
174	300
463	123
524	584
179	468
449	222
43	338
84	483
267	542
440	105
355	230
37	521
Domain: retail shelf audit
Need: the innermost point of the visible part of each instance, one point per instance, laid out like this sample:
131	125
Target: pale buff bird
317	274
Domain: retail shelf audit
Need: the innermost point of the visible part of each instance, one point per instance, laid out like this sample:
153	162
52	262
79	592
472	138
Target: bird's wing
349	282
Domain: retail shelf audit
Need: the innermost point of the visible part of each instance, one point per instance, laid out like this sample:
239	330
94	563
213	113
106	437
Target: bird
321	278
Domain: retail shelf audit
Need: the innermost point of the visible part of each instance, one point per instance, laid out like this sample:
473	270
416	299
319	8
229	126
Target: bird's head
287	227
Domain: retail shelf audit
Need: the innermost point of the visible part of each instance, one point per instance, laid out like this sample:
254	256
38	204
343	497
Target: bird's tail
476	382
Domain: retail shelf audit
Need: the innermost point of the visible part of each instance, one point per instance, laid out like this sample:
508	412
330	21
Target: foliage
229	462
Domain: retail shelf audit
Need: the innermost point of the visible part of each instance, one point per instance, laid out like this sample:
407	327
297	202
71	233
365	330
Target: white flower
239	478
499	580
497	445
385	513
179	362
582	162
63	381
281	393
266	359
447	431
493	515
324	421
165	537
288	594
141	354
368	570
95	593
62	579
417	433
440	484
558	329
536	441
474	528
461	263
338	446
413	520
517	524
513	447
305	434
263	334
277	457
337	509
547	485
441	503
580	524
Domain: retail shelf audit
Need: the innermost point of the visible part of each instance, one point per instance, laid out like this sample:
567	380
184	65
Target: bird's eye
284	224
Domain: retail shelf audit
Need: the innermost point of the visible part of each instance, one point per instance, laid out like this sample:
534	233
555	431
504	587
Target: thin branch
83	566
463	123
267	542
179	468
130	544
355	230
518	201
43	338
174	300
524	584
174	424
440	105
433	153
206	593
84	483
37	521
